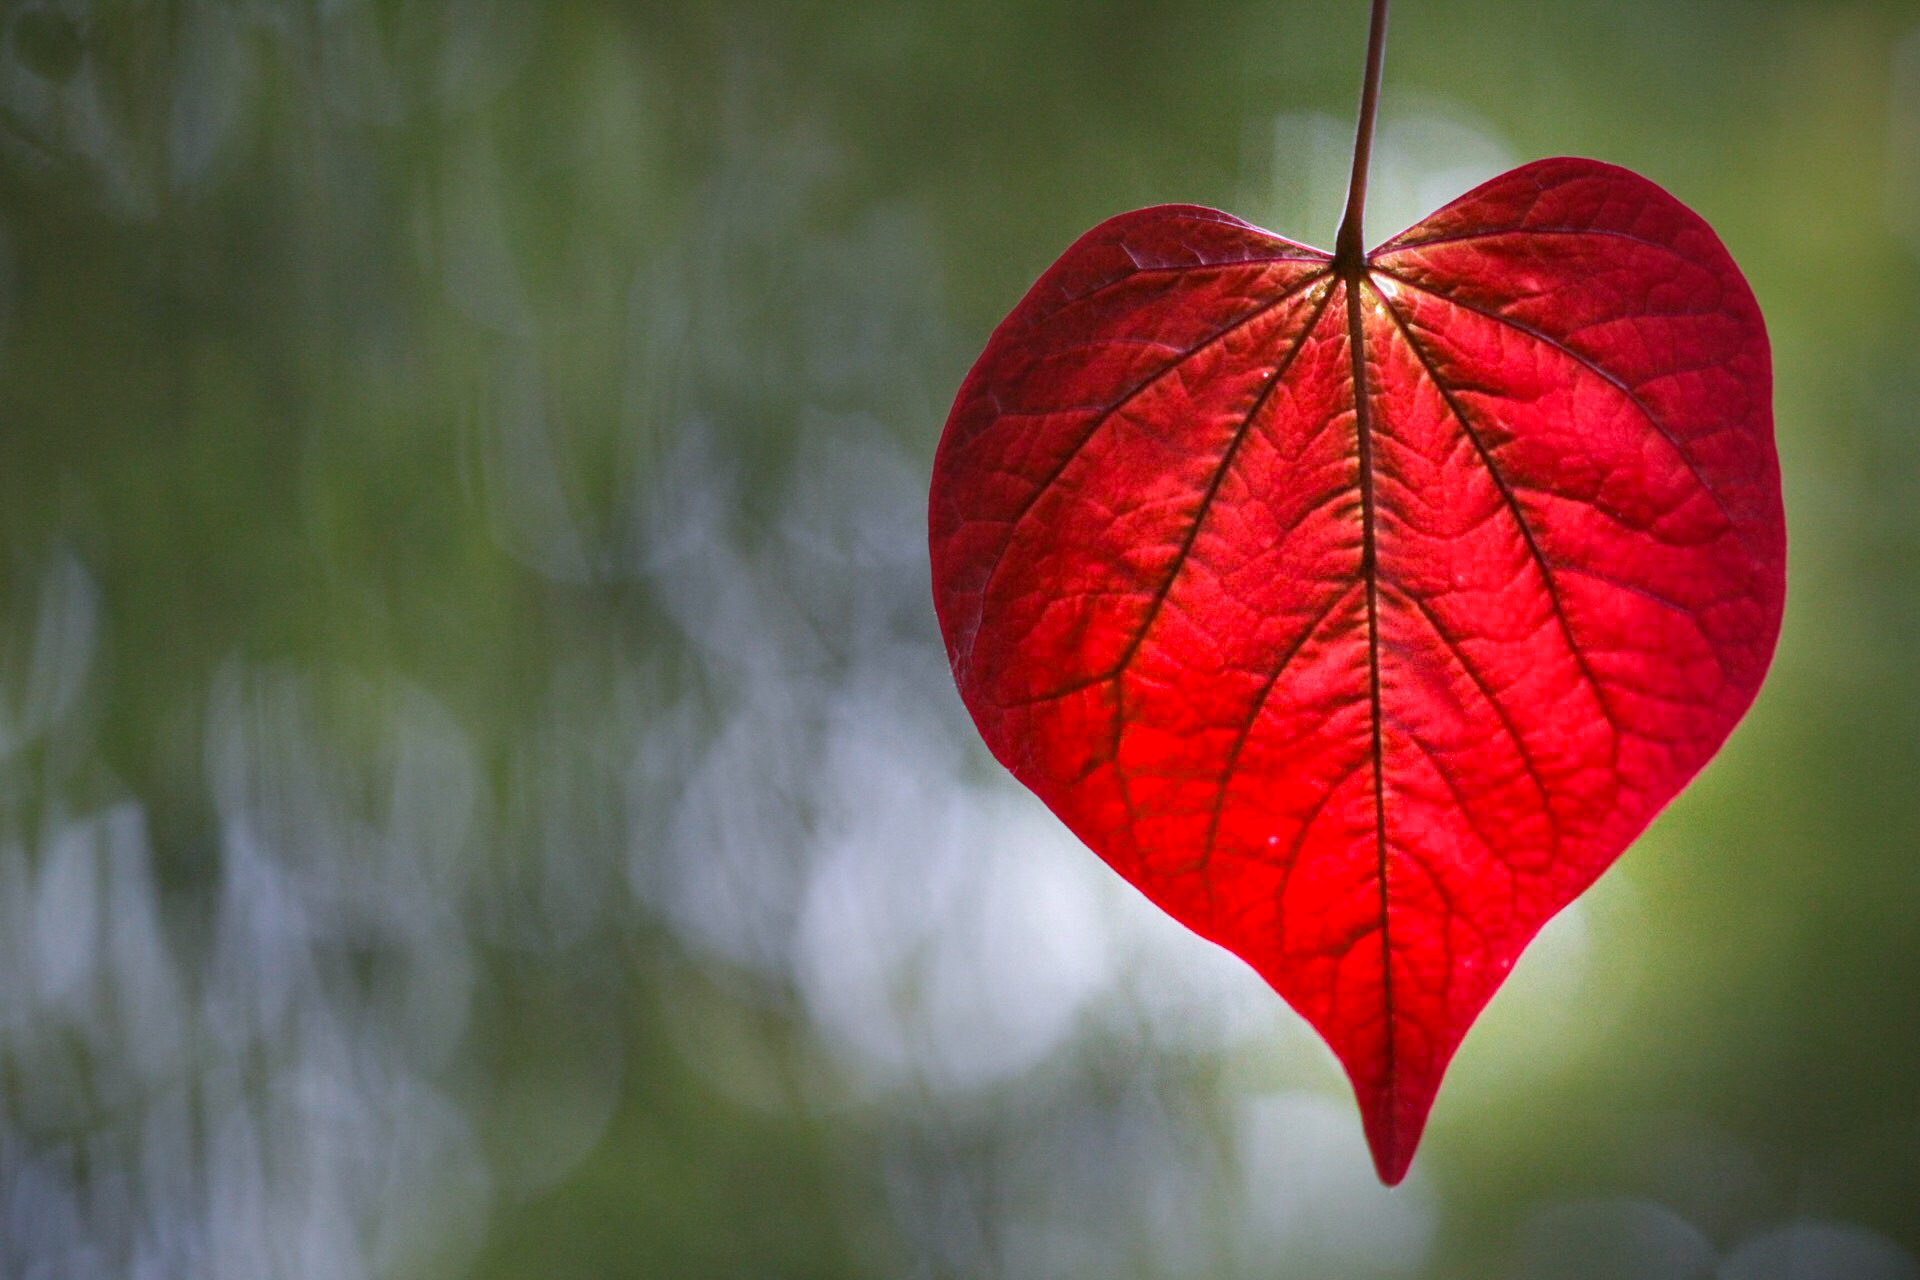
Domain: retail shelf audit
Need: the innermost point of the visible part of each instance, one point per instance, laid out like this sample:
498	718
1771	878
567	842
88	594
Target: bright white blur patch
950	939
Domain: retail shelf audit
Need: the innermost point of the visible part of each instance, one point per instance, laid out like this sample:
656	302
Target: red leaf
1366	687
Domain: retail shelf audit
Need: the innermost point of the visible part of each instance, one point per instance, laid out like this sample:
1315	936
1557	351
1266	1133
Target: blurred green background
480	793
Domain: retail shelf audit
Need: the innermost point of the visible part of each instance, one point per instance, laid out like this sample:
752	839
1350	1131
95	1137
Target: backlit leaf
1361	618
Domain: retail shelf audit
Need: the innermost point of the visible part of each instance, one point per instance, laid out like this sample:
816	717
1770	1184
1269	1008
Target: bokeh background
480	792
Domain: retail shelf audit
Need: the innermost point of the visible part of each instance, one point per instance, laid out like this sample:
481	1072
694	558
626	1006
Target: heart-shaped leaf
1361	611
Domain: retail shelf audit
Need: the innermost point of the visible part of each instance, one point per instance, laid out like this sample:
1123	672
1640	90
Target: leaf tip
1391	1162
1394	1125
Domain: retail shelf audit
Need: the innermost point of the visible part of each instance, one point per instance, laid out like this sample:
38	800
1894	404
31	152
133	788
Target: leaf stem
1349	247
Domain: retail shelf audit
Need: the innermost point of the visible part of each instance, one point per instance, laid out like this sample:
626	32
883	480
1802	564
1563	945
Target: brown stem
1349	247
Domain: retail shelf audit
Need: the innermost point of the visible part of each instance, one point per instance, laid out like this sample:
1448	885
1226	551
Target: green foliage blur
480	794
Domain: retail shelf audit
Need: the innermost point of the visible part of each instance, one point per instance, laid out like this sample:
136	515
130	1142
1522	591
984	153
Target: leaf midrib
1370	574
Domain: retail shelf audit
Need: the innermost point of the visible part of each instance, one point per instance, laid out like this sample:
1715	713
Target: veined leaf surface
1362	617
